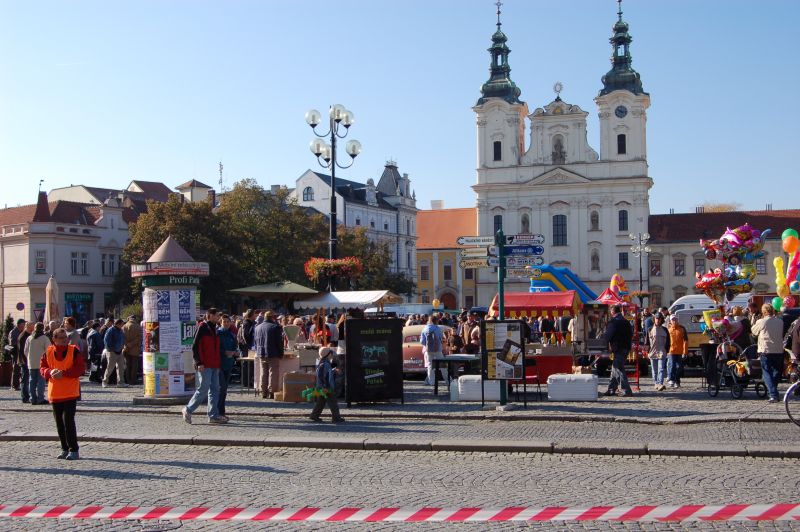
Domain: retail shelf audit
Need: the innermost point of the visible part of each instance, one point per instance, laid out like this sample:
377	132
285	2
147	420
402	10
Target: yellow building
439	273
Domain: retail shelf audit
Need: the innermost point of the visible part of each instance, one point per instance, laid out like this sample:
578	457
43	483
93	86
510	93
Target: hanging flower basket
318	268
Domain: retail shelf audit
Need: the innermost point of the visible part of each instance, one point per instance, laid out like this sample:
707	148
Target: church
537	172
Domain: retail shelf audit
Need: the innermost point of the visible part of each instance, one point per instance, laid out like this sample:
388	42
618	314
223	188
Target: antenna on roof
220	176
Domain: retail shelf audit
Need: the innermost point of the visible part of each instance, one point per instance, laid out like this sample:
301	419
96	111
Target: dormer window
308	194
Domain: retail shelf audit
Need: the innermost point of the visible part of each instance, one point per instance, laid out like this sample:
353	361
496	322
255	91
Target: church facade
537	172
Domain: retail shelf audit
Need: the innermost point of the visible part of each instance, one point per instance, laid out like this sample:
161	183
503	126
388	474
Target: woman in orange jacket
678	348
62	366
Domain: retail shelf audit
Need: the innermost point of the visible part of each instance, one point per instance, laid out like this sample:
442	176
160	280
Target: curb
456	445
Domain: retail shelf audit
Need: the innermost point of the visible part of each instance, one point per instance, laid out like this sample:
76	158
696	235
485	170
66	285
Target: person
70	325
547	327
678	349
114	341
206	351
132	350
744	338
466	333
432	344
95	341
245	333
227	353
62	366
618	336
576	333
13	342
326	378
319	332
269	349
35	347
769	331
24	384
334	330
658	339
648	320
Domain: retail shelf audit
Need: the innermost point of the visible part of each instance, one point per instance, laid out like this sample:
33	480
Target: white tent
346	300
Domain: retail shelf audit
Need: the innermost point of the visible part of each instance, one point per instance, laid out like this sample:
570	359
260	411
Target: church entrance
448	301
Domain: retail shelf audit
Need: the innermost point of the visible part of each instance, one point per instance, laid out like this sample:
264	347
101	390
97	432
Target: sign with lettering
169	268
473	252
524	250
524	239
475	240
513	262
518	272
171	280
374	360
474	263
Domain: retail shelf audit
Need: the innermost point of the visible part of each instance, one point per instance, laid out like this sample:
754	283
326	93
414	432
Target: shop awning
353	299
527	304
277	289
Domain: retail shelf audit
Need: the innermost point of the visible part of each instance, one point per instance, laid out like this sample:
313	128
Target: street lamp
638	249
339	117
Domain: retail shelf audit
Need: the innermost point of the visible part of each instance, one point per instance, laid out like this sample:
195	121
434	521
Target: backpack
432	342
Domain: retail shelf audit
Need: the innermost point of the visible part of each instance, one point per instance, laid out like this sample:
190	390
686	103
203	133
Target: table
449	360
248	371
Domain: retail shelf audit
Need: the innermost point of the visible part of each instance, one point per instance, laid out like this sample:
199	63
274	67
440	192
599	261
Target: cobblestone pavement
146	475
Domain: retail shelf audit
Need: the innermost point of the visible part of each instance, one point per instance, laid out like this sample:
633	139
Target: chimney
769	207
212	197
437	205
672	211
699	210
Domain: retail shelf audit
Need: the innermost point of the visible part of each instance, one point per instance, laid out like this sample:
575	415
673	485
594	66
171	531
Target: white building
585	203
388	210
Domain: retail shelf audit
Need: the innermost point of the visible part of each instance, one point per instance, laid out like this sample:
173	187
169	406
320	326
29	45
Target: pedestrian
24	383
245	334
618	336
205	350
132	350
114	341
432	345
678	349
228	351
70	325
13	344
36	347
658	339
326	380
62	366
769	331
269	349
95	341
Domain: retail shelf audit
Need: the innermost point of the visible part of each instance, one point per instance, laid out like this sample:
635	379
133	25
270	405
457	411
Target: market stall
360	299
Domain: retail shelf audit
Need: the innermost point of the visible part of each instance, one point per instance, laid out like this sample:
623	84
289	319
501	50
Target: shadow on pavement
196	465
96	473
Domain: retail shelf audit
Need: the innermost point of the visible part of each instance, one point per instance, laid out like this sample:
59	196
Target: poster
502	348
188	361
156	384
176	385
169	337
148	363
149	305
151	342
176	363
185	305
374	360
161	361
188	330
163	304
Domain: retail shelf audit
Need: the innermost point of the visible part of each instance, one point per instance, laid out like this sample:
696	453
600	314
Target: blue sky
102	92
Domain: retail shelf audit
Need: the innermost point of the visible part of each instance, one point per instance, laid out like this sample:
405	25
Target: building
584	202
388	210
134	196
439	272
79	244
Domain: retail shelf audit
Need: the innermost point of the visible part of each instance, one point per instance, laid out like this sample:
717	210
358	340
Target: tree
377	259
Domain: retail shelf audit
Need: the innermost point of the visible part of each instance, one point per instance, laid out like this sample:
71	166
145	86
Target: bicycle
791	399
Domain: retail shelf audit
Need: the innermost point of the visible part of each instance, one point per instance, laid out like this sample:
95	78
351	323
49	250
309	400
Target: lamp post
339	117
638	249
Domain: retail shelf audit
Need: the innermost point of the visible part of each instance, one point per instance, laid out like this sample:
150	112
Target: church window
594	221
308	194
498	149
623	260
595	261
525	226
447	271
623	220
621	144
498	222
560	230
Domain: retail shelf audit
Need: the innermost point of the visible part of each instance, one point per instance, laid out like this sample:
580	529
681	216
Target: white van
700	301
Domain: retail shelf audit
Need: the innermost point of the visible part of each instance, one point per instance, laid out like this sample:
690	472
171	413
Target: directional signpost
475	240
474	263
513	251
474	252
517	262
524	239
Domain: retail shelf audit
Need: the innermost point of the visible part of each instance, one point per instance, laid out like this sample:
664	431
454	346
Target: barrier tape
729	512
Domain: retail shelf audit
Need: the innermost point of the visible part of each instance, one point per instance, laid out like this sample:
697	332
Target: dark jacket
227	342
619	334
21	347
325	376
249	327
205	347
269	340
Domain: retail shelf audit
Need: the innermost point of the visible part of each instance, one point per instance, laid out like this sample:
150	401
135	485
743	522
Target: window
108	264
623	260
469	301
525	224
358	220
424	271
623	220
408	260
84	264
655	267
447	271
594	221
469	273
595	260
498	148
73	263
560	230
679	293
426	298
621	145
761	265
385	225
408	227
680	267
372	223
41	261
79	263
308	194
700	265
655	299
498	222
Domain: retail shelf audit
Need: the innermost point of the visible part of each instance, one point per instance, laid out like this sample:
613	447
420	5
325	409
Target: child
326	379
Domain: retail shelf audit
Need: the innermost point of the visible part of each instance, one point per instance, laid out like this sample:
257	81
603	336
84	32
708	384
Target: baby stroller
736	369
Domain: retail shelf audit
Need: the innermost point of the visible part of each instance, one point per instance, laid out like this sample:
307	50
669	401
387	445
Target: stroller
736	369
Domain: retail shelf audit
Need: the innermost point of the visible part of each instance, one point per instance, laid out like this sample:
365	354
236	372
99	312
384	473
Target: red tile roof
154	190
17	215
689	227
439	229
65	212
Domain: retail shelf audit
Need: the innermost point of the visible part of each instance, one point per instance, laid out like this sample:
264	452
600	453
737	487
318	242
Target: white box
570	387
469	389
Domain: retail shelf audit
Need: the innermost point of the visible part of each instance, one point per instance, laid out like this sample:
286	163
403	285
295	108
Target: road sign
523	250
475	240
474	263
513	262
518	272
473	253
524	239
493	261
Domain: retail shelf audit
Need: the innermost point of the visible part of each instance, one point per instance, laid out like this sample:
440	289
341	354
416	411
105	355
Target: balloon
794	287
790	244
788	301
435	303
793	268
777	302
789	232
711	254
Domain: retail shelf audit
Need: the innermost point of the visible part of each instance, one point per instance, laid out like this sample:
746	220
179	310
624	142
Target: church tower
622	103
500	112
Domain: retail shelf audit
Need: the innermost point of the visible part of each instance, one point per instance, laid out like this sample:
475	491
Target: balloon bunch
619	288
312	394
738	249
789	282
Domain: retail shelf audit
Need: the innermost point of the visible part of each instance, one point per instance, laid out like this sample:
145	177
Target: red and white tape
729	512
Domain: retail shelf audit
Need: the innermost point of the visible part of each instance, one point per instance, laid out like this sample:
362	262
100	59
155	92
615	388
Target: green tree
376	256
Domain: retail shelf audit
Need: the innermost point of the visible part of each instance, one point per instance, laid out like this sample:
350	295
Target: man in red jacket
207	363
